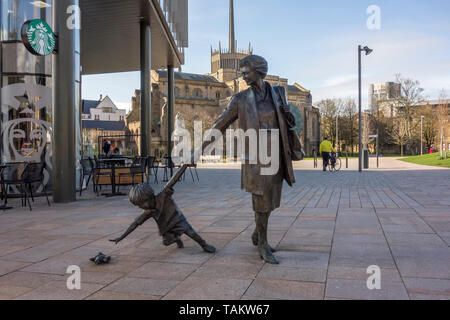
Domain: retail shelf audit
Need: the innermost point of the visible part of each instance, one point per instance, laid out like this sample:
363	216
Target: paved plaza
330	228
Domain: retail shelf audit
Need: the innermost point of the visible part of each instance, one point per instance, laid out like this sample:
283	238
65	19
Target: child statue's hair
142	193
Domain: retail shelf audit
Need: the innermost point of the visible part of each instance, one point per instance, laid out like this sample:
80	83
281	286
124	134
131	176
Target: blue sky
314	43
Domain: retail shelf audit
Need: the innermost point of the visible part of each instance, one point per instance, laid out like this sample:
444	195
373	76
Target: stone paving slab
329	229
112	295
357	289
57	290
154	287
358	273
428	289
293	273
286	290
196	287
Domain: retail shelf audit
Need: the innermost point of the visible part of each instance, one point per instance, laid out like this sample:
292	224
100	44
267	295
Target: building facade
197	97
101	120
383	96
103	109
204	97
41	92
441	110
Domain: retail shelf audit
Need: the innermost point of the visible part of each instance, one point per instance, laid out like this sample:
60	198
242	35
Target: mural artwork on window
26	137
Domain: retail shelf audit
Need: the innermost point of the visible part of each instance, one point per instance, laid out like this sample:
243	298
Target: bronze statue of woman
262	106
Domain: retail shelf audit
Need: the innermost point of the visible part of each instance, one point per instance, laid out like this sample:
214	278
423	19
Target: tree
442	114
349	112
400	133
405	105
429	127
382	122
329	109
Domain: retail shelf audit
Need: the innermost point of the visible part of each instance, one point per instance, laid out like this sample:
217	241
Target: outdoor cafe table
111	163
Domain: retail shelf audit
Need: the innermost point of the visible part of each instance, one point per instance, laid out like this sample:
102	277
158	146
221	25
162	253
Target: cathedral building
204	97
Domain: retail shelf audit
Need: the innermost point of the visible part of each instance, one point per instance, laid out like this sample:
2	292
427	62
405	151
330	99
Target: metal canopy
110	35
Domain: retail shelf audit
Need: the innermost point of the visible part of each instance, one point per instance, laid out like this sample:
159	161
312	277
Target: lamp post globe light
368	51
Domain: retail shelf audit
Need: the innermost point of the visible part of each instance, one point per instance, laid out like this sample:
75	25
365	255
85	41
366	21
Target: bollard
315	159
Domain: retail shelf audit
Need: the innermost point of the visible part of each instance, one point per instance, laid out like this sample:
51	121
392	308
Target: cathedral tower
225	62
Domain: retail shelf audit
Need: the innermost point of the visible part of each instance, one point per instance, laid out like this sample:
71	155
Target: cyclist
325	148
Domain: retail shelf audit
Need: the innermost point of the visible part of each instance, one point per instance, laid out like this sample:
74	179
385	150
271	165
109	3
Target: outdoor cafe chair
34	173
87	169
98	172
137	168
152	165
176	162
190	166
11	175
99	163
167	164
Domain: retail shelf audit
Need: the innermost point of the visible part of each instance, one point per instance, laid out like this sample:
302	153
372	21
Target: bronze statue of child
169	218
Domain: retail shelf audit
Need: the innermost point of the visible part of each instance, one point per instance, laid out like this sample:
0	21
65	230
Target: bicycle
334	162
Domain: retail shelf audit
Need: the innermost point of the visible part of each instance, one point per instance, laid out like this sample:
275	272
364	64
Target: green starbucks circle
38	37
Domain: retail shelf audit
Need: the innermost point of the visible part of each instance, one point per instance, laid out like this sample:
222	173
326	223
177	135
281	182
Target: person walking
106	147
325	148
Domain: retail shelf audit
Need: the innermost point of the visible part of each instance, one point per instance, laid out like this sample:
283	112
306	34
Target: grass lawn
429	160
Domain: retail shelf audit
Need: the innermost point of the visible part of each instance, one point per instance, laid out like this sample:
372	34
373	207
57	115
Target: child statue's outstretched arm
139	221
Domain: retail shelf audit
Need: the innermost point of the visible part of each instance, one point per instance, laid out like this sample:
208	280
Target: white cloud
334	81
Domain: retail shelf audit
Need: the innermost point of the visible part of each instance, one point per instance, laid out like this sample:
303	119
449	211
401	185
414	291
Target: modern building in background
41	95
382	96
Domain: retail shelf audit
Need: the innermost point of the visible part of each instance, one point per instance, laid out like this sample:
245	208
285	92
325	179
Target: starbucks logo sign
38	37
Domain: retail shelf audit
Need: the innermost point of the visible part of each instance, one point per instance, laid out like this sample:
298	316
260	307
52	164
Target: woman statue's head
253	68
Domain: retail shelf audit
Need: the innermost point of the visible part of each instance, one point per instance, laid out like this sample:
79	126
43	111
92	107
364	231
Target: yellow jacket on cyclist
326	146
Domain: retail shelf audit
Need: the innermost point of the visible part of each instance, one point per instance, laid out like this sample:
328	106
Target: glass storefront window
26	124
15	12
26	93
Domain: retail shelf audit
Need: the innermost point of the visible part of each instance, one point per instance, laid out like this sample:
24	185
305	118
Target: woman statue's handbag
294	124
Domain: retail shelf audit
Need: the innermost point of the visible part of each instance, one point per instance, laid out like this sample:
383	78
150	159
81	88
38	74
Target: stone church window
198	93
218	95
177	92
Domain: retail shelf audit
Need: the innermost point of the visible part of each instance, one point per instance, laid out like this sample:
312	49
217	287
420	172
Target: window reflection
15	12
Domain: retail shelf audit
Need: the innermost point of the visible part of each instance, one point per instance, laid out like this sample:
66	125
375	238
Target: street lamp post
367	51
378	134
337	134
421	135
